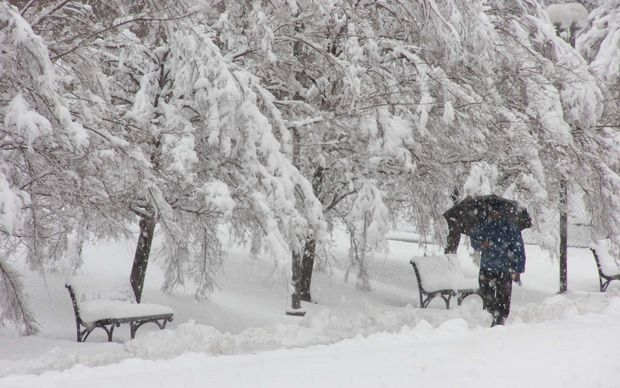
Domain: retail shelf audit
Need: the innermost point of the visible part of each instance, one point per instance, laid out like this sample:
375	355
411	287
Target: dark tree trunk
309	253
141	258
563	237
300	278
296	280
453	239
563	199
454	232
307	265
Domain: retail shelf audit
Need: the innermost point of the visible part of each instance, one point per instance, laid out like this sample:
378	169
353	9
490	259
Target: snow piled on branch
25	61
14	311
600	43
27	123
388	135
567	15
11	204
482	179
370	207
368	223
217	195
580	93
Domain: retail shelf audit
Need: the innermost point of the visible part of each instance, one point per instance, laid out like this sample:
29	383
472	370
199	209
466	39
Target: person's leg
495	293
489	293
504	294
486	290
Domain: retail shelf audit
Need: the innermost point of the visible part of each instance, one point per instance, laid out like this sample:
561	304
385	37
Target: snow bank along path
244	323
579	350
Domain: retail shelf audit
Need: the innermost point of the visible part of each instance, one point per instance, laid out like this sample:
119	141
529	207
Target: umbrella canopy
466	215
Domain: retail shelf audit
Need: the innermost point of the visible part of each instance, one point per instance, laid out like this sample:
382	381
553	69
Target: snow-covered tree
322	62
416	97
178	135
568	19
197	138
42	158
599	46
265	117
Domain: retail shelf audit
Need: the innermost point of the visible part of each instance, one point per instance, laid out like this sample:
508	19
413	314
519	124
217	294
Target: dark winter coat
501	246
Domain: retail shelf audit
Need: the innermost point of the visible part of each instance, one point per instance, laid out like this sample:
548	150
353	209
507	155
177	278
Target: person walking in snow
502	260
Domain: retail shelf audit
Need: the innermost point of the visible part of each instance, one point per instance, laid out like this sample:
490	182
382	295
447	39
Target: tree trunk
296	283
302	263
309	254
363	282
563	236
296	258
564	200
307	265
141	257
453	239
454	232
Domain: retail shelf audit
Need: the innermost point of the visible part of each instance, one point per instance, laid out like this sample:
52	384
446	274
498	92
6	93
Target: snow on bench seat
109	306
607	266
115	309
442	275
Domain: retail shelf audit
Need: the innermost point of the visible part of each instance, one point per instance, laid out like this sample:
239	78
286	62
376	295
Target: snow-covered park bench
607	267
108	312
442	276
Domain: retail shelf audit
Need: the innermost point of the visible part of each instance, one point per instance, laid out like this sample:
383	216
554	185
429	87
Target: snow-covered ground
241	337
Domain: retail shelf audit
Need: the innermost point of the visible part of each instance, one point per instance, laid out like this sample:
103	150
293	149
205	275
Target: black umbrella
466	215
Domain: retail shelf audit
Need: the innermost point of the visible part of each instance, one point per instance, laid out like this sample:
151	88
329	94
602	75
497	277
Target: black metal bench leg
109	331
464	294
161	325
605	284
133	326
427	301
86	333
446	299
